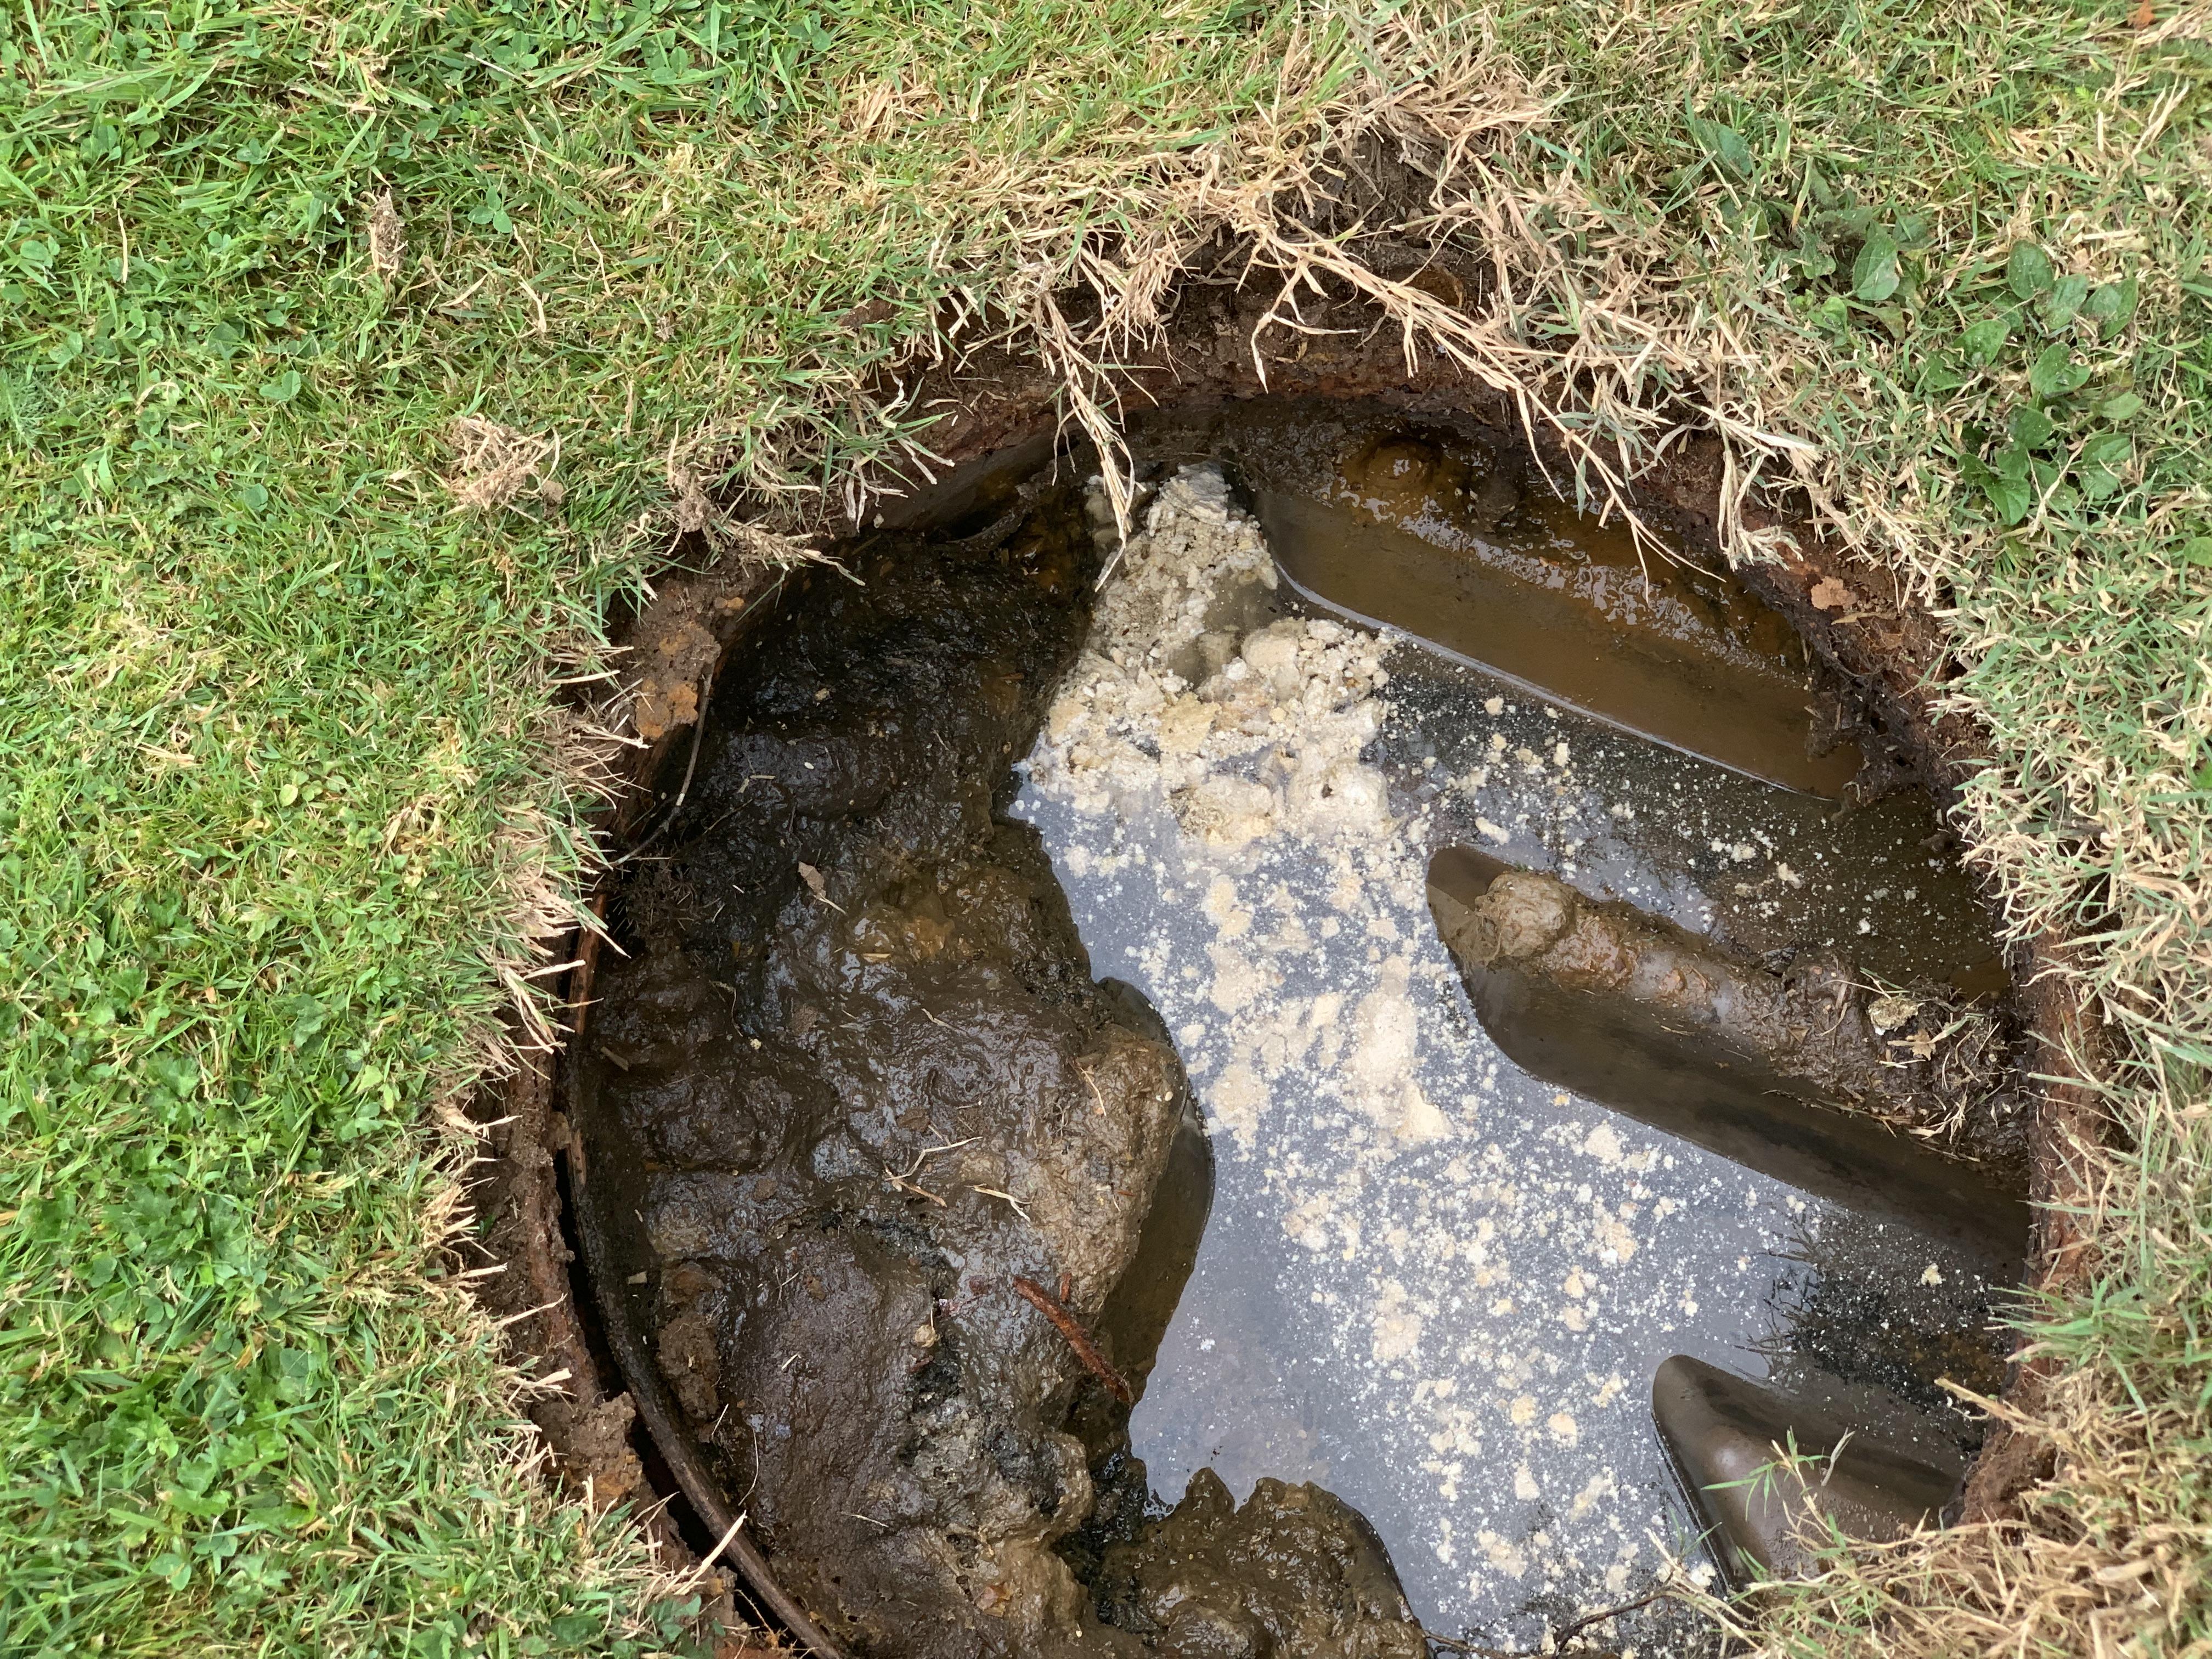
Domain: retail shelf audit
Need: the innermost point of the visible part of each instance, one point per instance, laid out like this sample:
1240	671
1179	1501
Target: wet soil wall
869	1072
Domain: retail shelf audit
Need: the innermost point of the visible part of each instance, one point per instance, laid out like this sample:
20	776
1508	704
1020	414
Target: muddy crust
675	647
860	1061
1294	1571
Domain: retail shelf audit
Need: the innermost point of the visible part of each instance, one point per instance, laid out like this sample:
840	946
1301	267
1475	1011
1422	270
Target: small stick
1565	1633
904	1179
1015	1203
707	1561
588	961
1078	1338
1093	1082
1604	1614
698	733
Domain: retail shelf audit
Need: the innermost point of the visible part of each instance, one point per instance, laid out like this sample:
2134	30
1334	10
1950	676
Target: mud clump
871	1081
868	1082
1294	1572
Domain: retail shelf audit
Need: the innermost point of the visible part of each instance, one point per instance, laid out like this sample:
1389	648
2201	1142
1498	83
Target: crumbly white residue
1245	735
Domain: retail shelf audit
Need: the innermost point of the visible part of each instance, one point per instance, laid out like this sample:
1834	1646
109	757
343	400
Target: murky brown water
1423	1249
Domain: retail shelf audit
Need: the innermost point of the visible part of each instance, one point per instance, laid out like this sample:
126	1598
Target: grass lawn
283	790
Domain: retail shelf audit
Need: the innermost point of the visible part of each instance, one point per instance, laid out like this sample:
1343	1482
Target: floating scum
354	362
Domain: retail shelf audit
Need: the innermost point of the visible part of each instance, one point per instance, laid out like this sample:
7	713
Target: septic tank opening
934	1105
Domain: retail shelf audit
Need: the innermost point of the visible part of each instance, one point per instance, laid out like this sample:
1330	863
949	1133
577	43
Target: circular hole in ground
1345	1067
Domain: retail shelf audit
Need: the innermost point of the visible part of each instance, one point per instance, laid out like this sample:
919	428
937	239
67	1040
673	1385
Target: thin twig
904	1179
1013	1203
1590	1619
707	1561
1078	1338
1565	1633
698	735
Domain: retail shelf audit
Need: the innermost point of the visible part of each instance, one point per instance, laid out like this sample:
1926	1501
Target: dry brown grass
493	464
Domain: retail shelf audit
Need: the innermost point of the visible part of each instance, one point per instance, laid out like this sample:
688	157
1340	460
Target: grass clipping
1604	330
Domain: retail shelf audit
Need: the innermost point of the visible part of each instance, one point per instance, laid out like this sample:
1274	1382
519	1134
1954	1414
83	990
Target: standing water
1430	1282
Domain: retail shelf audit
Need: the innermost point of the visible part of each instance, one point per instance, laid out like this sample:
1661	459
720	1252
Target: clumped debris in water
1265	746
1292	1572
1922	1064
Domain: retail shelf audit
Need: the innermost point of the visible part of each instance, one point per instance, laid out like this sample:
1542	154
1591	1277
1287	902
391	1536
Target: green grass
277	755
275	715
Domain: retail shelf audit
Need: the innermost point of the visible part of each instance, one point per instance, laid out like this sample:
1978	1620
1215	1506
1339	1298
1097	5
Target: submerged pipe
1771	1476
1783	1074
